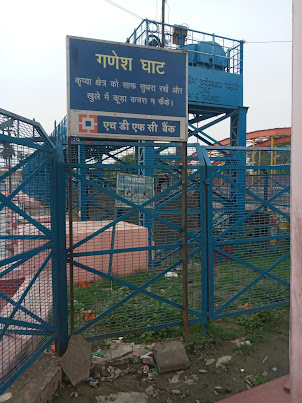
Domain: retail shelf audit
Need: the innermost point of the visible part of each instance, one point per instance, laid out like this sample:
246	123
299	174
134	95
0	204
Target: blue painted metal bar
203	239
83	188
176	211
129	166
136	289
214	122
59	277
112	242
27	180
22	213
147	222
244	166
161	248
25	292
248	240
229	149
23	237
16	322
7	123
123	250
255	268
22	257
251	310
19	165
135	208
23	309
255	281
12	267
209	219
23	142
268	202
176	195
29	332
140	330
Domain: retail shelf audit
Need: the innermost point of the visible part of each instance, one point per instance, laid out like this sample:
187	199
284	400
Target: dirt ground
260	355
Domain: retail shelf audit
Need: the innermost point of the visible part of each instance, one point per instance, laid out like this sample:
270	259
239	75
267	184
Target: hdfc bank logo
88	123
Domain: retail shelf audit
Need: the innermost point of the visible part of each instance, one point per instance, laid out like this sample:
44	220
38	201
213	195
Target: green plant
221	331
262	319
260	379
246	348
155	335
257	335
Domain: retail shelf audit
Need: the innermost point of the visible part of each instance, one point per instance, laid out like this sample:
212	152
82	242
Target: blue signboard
216	87
123	91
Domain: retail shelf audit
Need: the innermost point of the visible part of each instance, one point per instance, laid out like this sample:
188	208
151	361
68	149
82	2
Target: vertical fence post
70	220
203	239
209	178
184	203
59	260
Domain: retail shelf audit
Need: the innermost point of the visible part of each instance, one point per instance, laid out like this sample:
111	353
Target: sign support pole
184	202
70	237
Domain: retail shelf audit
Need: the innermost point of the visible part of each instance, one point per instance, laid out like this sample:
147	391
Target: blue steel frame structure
214	59
213	174
21	317
229	197
216	65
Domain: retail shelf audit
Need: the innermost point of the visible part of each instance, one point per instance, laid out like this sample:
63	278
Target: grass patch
260	379
246	348
261	321
224	330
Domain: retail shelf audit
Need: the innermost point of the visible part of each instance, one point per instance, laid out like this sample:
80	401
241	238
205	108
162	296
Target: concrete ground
38	383
270	392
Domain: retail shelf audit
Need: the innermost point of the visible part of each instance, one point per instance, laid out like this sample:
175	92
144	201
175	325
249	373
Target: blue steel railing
206	50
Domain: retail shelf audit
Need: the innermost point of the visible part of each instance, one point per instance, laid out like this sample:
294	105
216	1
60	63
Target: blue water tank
209	55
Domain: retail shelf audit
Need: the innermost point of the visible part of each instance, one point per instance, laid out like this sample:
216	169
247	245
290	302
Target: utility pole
163	23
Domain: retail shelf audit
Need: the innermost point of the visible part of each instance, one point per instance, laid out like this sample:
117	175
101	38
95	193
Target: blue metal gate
127	234
127	238
248	234
33	311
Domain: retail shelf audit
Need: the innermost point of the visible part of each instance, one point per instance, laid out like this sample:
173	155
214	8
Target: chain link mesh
26	209
251	228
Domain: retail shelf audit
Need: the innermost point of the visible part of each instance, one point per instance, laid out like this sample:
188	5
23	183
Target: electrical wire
269	42
168	11
166	1
124	9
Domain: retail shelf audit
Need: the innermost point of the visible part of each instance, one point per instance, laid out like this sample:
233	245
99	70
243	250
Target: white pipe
296	210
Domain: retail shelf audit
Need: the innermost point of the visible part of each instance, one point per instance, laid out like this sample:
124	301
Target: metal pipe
163	23
71	293
272	154
184	202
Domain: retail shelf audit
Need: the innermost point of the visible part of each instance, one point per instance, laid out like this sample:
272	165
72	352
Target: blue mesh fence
127	237
28	245
249	229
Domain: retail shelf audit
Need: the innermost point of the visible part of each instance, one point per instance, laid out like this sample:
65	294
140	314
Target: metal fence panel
127	237
28	245
249	243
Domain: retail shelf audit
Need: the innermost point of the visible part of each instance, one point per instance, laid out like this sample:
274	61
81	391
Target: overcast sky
33	55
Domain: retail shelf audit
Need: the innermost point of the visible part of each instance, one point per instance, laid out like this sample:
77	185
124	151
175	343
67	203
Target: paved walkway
270	392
